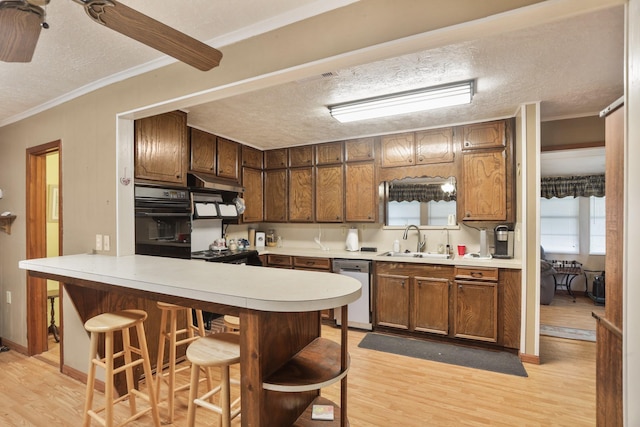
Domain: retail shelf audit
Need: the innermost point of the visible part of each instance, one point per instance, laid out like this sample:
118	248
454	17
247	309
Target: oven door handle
163	214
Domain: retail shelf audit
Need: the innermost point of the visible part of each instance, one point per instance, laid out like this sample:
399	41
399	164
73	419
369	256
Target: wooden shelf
314	367
5	223
306	421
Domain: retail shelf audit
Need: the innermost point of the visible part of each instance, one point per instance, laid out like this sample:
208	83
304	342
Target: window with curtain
597	229
559	225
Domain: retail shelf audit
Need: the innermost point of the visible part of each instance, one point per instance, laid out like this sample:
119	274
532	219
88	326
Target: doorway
44	238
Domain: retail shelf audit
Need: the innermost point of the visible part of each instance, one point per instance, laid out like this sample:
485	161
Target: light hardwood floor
384	390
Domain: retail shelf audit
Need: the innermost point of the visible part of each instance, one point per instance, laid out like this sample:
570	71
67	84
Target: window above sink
426	201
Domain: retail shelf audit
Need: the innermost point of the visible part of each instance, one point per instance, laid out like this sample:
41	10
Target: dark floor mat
488	360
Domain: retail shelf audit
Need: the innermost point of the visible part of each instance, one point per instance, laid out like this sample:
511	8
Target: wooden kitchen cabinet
253	195
359	150
162	148
430	309
361	196
276	159
215	155
484	186
301	195
279	261
398	150
329	153
203	151
228	159
392	300
251	157
434	146
476	304
413	297
484	135
487	190
329	193
316	264
301	156
275	195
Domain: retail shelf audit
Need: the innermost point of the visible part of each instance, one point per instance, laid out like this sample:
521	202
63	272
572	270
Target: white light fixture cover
404	102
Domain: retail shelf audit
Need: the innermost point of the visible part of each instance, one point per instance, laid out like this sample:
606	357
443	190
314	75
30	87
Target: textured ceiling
75	51
574	67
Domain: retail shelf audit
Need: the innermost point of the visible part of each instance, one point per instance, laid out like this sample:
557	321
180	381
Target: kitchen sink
433	255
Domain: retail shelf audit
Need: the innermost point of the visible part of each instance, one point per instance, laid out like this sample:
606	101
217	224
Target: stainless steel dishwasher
359	310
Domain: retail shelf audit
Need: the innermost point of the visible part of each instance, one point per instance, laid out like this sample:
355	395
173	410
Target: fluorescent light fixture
404	102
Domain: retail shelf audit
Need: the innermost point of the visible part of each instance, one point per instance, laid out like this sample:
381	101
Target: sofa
547	281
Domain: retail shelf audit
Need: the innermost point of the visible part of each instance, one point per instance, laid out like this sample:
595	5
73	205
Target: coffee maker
503	242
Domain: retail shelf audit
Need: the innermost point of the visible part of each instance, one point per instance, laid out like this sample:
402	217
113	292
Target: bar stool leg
193	394
91	376
148	374
126	349
160	360
225	396
108	388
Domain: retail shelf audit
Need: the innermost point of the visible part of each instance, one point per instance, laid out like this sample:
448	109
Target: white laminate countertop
258	288
376	256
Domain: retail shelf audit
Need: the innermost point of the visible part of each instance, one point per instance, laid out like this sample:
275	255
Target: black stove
239	256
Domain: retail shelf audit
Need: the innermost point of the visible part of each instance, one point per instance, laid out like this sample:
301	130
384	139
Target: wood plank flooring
384	390
564	312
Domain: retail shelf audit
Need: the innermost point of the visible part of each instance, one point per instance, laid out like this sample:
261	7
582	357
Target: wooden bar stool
222	350
107	324
231	323
169	332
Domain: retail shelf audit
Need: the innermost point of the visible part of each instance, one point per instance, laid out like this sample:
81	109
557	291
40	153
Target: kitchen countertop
257	288
375	256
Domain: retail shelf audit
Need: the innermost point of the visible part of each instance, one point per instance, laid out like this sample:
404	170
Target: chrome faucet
421	243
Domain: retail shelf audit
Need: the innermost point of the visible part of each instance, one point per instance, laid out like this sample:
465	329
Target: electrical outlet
98	242
8	297
106	242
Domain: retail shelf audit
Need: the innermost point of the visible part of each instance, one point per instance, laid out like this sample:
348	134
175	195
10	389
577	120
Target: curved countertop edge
256	288
375	256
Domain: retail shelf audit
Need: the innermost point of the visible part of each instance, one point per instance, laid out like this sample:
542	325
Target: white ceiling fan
22	20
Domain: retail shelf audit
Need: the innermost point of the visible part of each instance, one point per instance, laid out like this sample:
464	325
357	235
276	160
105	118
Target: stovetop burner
228	256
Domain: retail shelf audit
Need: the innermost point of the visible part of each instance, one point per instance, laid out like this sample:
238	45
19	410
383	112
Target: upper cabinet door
275	195
484	186
301	156
358	150
203	151
398	150
329	193
484	135
301	195
329	153
361	198
228	159
434	146
276	159
253	194
251	157
162	148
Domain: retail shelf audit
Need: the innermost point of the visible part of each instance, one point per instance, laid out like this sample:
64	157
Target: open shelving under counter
319	364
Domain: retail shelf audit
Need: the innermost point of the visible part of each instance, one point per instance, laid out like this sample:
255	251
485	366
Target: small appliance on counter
352	243
503	242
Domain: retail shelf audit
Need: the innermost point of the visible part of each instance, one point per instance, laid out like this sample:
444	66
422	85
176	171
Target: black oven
162	222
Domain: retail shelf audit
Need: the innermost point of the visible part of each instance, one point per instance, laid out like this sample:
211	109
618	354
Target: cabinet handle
477	274
402	284
420	159
467	144
460	287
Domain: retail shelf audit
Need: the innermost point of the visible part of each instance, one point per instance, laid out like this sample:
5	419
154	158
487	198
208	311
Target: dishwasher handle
351	265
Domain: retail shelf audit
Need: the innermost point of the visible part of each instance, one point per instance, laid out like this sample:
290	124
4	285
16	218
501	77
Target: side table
568	271
53	328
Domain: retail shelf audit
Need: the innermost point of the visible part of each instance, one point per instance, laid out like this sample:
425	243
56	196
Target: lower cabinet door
431	305
476	310
392	301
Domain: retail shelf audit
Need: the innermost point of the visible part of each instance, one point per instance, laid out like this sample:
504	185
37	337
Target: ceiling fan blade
20	25
155	34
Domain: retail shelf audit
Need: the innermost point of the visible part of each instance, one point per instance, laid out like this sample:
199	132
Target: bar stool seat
216	350
231	323
107	324
176	337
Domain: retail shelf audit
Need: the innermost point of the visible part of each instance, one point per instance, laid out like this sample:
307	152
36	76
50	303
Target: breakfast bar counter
279	310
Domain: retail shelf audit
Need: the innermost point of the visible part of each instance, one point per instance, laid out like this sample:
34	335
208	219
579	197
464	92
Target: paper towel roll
484	248
252	237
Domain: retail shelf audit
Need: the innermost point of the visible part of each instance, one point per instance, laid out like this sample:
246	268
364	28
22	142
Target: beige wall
572	131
